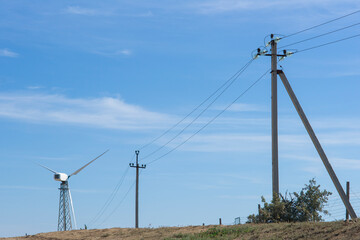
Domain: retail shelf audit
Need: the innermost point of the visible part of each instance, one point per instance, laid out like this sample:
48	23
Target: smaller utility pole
348	197
137	166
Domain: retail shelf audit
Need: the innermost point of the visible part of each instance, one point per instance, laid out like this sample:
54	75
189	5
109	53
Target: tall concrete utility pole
274	120
275	177
137	166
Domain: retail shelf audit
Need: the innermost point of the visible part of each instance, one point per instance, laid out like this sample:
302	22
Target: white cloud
336	123
243	107
341	138
254	142
146	14
34	87
85	11
123	52
225	142
343	163
77	10
220	6
226	5
315	170
51	158
105	112
346	163
25	188
7	53
19	187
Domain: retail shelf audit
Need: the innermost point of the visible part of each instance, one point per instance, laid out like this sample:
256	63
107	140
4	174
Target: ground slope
328	230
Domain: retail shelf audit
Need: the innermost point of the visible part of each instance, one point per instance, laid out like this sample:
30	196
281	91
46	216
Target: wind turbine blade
46	168
72	208
77	171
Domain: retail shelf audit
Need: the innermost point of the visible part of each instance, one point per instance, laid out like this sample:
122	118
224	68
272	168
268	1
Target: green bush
305	206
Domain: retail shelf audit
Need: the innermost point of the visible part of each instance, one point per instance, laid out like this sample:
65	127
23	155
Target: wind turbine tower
65	203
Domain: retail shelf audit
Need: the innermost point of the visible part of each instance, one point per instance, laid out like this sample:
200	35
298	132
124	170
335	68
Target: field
324	230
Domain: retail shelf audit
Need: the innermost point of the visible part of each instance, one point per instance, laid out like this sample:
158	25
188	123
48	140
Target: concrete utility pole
275	177
137	166
274	121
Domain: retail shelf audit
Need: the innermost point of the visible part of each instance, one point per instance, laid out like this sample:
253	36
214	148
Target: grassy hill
323	230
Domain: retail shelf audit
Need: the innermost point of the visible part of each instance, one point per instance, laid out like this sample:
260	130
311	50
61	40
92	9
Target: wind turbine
64	219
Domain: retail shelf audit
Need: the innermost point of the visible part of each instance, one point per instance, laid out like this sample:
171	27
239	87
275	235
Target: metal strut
317	145
64	220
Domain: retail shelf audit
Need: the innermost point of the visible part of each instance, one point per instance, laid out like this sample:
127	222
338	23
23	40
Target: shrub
305	206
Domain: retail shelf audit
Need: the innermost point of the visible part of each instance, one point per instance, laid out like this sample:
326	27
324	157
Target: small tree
297	207
310	202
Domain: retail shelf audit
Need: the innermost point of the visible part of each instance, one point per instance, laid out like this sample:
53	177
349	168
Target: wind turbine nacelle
62	177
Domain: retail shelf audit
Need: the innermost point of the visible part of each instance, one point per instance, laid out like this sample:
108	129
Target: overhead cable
110	199
235	77
119	204
327	22
328	43
195	109
321	35
211	120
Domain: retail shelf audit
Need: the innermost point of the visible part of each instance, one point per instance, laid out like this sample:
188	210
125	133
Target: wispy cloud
123	52
243	107
14	187
51	158
7	53
253	142
221	6
85	11
225	142
343	163
105	112
32	188
218	6
140	15
34	87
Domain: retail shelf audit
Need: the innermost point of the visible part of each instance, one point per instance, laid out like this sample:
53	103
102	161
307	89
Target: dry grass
328	230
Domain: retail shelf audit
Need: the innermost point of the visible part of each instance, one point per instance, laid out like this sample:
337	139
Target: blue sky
80	77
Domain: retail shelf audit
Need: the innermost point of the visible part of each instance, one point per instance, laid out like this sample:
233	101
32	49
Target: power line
321	35
201	113
117	206
196	108
213	119
110	199
330	21
328	43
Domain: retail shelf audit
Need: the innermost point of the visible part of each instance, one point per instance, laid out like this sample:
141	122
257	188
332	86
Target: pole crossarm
317	145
